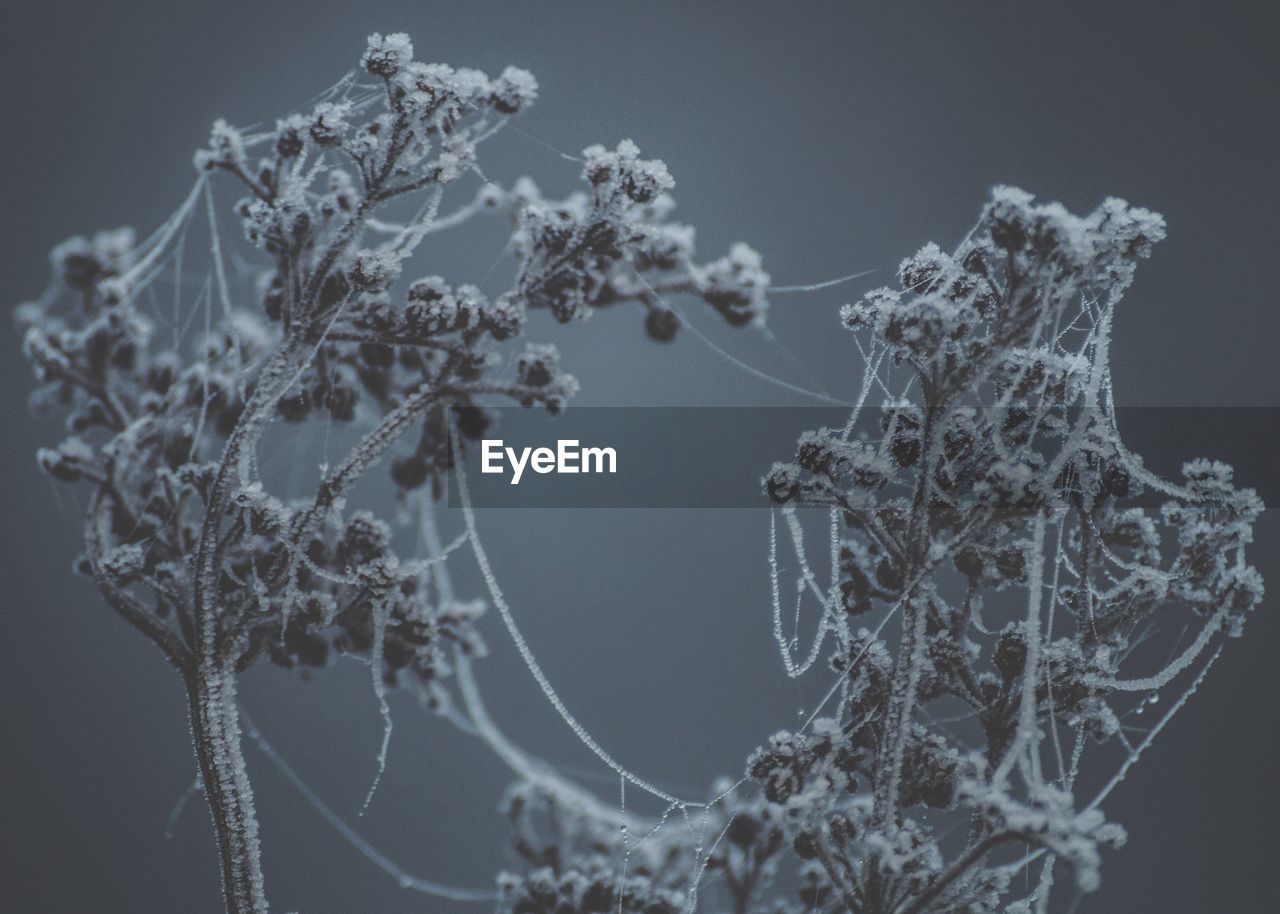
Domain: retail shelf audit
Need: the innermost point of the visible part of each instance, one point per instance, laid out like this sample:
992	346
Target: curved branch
124	603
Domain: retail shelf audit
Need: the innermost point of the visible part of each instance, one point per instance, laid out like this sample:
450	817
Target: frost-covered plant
997	520
183	536
998	559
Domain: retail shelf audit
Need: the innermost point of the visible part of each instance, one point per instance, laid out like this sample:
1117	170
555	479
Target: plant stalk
215	730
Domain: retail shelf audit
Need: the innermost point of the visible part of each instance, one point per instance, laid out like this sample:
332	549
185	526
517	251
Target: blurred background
833	137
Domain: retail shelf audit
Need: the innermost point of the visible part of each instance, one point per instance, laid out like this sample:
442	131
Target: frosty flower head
385	56
920	271
513	91
782	482
225	149
69	461
504	317
622	171
291	135
374	271
1208	477
81	262
328	124
736	285
538	365
588	251
1103	245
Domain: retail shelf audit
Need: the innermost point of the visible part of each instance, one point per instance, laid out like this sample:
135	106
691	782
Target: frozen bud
861	464
600	165
1243	590
661	324
538	365
491	196
291	136
818	451
376	315
112	247
385	56
559	392
470	86
640	180
1010	486
68	461
514	90
476	360
341	399
504	318
124	563
663	247
1009	217
28	314
434	308
365	538
455	160
866	313
409	472
901	422
1131	229
379	574
374	271
329	123
919	271
1208	478
225	149
423	87
471	303
343	194
294	407
643	184
782	484
735	286
76	263
428	289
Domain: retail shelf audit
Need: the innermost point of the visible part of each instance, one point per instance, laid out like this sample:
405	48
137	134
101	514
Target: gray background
833	137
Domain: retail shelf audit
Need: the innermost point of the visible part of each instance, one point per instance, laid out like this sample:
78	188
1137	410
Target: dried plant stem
215	730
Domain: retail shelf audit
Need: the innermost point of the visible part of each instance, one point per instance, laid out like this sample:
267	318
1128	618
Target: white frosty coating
381	610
